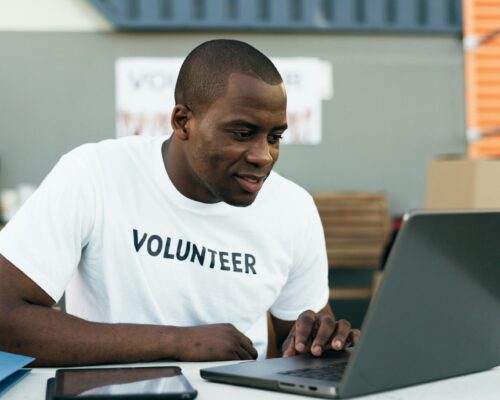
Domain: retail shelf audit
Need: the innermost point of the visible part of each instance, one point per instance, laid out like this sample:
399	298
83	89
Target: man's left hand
317	333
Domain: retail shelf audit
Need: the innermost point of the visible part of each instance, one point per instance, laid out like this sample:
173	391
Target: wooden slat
338	256
350	293
354	231
349	241
374	253
355	264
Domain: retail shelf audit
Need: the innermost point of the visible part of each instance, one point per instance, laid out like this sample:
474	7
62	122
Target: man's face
233	145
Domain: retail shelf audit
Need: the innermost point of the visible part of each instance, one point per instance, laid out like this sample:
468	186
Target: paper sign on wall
145	96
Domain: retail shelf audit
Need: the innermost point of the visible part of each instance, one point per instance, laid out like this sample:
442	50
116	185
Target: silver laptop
436	315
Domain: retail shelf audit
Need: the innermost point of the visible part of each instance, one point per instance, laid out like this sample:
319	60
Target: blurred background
407	117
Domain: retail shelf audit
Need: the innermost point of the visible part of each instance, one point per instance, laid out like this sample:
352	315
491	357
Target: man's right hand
215	342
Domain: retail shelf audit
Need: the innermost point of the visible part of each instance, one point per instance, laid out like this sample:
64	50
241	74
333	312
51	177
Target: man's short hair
204	74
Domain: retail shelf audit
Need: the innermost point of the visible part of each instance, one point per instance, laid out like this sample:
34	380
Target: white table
480	386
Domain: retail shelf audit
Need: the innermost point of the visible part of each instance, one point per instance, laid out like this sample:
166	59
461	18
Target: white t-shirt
108	226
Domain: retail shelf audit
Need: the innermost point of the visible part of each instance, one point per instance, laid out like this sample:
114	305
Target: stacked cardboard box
456	182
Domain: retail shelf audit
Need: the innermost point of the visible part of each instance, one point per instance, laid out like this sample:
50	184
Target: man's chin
241	201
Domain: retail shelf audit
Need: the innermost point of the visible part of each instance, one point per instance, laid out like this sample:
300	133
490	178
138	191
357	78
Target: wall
398	102
51	15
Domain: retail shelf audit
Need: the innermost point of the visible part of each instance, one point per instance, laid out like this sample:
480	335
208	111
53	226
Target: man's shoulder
287	192
110	148
279	182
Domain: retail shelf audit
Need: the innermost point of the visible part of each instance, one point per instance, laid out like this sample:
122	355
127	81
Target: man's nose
260	153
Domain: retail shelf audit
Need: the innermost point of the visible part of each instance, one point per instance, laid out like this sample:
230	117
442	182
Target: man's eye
241	135
275	138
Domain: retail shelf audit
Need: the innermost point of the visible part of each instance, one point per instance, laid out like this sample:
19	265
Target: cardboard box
455	182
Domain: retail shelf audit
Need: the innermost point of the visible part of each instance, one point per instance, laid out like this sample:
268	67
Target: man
174	249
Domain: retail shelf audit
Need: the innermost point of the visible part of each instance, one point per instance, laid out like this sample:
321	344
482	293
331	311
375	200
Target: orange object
482	76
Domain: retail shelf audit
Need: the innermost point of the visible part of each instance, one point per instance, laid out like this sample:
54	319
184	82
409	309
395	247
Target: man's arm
313	332
28	325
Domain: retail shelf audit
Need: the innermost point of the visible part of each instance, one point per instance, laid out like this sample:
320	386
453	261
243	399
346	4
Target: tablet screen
149	381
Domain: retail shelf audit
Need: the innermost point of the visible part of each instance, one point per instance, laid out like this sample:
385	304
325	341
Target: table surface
484	385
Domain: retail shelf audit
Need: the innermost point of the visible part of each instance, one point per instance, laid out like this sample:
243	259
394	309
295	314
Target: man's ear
179	120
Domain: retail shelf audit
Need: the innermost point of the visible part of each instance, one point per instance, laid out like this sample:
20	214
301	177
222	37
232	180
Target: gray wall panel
398	102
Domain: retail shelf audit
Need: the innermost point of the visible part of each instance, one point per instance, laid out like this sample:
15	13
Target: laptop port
313	388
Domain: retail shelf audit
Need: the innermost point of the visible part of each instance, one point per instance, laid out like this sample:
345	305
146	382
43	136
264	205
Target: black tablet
152	383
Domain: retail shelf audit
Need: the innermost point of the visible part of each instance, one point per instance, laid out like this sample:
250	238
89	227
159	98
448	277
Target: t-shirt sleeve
45	237
307	284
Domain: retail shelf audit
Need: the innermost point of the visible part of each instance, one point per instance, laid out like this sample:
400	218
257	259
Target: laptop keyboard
330	372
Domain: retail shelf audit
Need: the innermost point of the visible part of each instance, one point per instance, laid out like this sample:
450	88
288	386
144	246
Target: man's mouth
250	183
